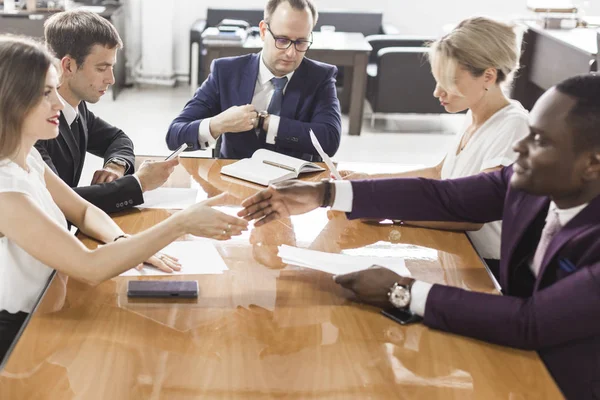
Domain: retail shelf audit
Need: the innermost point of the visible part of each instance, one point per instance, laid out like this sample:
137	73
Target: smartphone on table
401	316
163	289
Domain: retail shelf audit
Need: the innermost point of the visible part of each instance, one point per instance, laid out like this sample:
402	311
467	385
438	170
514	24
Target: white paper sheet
324	156
336	264
197	256
170	198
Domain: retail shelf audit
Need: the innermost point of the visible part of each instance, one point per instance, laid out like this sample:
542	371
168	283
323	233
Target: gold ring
228	227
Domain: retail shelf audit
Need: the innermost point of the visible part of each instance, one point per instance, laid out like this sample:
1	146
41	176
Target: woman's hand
203	220
163	262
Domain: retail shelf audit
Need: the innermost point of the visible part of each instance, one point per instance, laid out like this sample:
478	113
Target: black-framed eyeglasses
283	43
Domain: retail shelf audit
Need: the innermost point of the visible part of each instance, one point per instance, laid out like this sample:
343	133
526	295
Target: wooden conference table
260	330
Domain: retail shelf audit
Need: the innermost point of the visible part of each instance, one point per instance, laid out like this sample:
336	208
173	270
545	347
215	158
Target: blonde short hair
475	44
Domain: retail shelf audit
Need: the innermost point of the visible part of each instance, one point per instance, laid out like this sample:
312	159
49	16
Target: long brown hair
24	64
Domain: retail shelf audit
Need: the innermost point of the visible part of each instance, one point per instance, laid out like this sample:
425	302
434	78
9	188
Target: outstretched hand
282	200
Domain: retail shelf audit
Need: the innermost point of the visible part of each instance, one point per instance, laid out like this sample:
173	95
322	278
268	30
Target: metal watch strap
261	120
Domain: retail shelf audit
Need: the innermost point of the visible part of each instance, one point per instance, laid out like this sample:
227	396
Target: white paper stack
197	257
337	264
170	198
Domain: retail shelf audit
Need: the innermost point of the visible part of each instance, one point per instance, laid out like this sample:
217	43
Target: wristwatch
262	115
399	294
120	162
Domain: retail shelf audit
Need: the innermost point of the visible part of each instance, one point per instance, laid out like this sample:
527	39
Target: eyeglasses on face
283	43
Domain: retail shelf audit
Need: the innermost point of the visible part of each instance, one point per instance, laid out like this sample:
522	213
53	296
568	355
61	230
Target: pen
279	165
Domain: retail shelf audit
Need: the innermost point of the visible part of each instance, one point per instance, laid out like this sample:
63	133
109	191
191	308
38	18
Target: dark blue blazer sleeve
326	122
204	104
477	199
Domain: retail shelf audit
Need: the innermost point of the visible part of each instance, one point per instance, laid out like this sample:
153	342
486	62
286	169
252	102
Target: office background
158	31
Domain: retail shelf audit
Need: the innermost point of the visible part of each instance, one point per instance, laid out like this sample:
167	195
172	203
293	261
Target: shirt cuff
273	128
343	196
205	139
418	297
139	183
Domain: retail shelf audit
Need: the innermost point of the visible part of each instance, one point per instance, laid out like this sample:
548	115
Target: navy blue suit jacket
310	102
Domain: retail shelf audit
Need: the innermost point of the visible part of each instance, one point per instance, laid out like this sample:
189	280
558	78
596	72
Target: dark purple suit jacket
557	314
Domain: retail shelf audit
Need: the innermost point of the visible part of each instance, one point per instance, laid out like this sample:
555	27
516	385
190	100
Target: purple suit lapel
523	213
586	219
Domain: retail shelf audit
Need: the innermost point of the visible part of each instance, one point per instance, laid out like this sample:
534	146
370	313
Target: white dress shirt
489	147
344	197
68	111
22	276
263	91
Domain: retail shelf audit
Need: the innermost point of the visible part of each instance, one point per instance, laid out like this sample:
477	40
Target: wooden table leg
344	96
357	96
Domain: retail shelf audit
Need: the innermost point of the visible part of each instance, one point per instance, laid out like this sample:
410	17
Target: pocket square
566	265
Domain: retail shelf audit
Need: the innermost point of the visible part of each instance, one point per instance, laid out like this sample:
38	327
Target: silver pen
279	165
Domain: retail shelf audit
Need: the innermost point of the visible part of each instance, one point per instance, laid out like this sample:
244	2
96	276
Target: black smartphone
163	289
177	152
403	317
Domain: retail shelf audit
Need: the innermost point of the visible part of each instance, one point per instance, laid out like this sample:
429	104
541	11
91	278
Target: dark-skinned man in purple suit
549	202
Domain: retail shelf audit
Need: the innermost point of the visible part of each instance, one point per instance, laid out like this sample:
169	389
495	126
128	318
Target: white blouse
489	147
23	277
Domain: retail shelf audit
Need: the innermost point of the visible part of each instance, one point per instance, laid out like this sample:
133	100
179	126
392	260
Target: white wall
426	17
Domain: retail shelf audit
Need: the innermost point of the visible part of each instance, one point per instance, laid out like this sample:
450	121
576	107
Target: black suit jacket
66	154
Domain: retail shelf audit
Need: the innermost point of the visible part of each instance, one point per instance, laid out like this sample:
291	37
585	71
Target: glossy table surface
263	329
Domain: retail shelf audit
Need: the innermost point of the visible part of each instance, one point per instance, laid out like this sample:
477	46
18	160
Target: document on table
170	198
324	156
336	264
195	256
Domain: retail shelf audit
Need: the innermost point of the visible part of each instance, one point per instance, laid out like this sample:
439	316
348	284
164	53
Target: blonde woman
472	65
36	204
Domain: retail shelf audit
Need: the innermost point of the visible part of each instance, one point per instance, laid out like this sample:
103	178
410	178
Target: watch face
400	297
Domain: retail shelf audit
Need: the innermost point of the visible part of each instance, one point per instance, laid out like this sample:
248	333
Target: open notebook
266	167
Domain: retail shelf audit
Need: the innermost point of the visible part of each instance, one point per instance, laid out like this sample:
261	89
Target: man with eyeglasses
267	100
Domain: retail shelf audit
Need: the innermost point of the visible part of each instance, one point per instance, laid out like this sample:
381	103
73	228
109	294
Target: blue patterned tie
277	99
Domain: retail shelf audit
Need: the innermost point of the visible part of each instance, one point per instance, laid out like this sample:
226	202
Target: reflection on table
263	329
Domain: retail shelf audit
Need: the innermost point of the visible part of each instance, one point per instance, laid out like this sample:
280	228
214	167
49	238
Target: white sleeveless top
489	147
22	277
